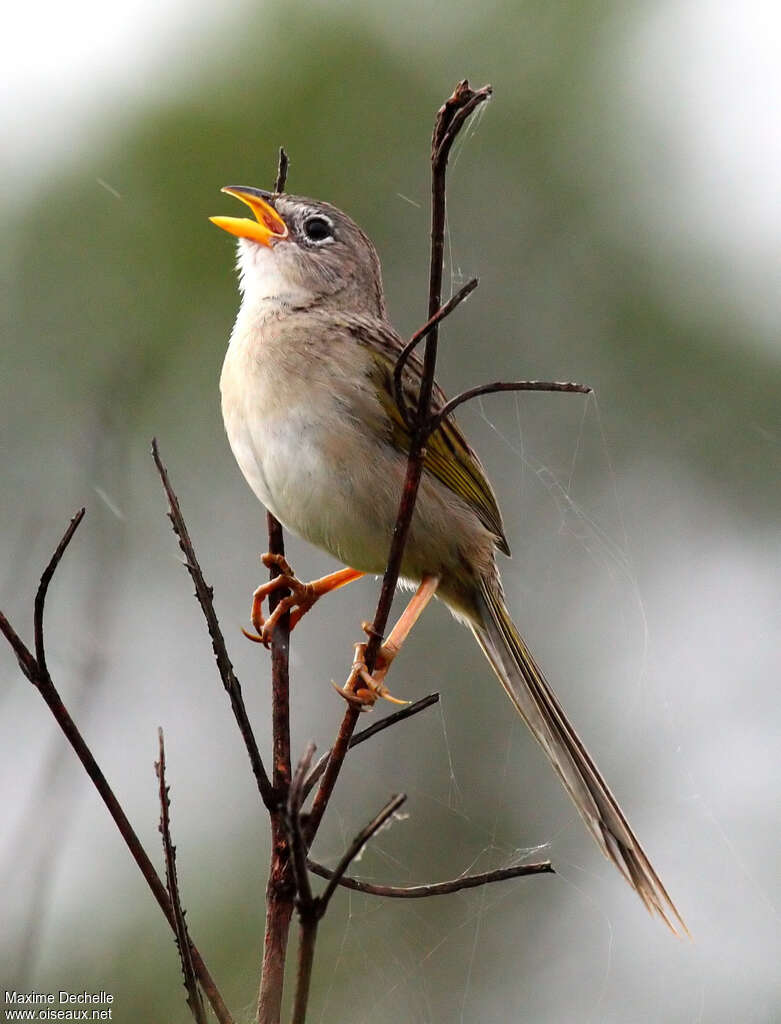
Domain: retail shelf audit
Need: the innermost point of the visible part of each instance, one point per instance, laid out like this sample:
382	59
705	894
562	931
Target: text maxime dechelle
62	1005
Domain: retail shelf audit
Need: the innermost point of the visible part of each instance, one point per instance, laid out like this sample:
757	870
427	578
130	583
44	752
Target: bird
310	413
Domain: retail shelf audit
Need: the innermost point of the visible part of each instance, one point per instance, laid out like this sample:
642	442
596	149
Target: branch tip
282	166
412	892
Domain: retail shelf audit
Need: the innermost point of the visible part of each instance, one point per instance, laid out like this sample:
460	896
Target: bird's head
300	251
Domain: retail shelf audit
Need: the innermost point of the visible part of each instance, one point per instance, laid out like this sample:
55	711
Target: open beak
267	228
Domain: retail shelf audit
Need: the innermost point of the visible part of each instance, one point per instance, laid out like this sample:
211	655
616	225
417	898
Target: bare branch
306	956
331	772
46	578
504	385
280	889
204	595
417	337
27	662
172	884
452	116
365	734
417	892
355	848
284	163
42	681
446	128
306	903
298	846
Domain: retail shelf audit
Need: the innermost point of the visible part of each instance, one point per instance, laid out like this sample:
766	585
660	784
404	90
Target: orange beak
267	228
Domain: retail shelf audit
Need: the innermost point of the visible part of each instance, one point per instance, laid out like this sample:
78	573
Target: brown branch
42	681
331	772
296	838
204	595
503	385
446	127
43	587
280	671
417	892
282	166
417	337
448	123
306	903
306	956
355	848
280	889
365	734
172	884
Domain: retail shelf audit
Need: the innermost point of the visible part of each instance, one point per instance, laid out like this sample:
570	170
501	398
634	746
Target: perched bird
309	409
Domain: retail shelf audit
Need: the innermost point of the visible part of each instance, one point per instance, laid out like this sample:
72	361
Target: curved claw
374	687
256	638
301	598
358	699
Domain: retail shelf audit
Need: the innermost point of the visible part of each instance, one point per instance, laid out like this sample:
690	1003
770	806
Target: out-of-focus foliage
644	530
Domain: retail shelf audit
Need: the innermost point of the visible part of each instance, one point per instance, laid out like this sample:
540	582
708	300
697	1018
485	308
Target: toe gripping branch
301	598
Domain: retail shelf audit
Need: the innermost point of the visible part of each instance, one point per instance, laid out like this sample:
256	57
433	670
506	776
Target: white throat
264	280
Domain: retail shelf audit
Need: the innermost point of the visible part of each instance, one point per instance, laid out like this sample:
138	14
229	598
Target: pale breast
307	430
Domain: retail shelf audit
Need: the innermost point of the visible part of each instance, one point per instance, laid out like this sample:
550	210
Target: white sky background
64	64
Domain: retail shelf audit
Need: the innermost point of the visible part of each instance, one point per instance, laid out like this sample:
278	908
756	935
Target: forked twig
296	838
366	734
194	1000
38	675
417	337
355	847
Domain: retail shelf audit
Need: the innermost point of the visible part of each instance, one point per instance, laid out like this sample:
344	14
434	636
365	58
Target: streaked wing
449	456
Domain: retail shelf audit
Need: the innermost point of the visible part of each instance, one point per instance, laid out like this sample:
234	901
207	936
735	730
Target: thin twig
453	115
355	848
445	131
417	892
43	587
42	681
331	773
307	905
282	166
365	734
204	595
194	1000
306	956
503	385
417	337
298	846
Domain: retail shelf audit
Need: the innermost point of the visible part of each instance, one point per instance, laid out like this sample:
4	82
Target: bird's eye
317	229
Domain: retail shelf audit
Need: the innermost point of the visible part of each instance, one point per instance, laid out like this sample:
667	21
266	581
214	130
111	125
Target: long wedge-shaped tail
540	709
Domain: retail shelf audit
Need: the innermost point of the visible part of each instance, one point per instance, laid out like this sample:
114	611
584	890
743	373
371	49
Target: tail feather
539	707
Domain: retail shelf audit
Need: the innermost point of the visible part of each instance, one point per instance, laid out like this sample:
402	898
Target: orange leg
302	596
362	688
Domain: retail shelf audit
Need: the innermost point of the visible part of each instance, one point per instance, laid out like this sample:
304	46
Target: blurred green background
618	201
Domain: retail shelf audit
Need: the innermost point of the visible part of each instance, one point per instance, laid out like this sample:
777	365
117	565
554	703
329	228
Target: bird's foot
363	688
301	598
